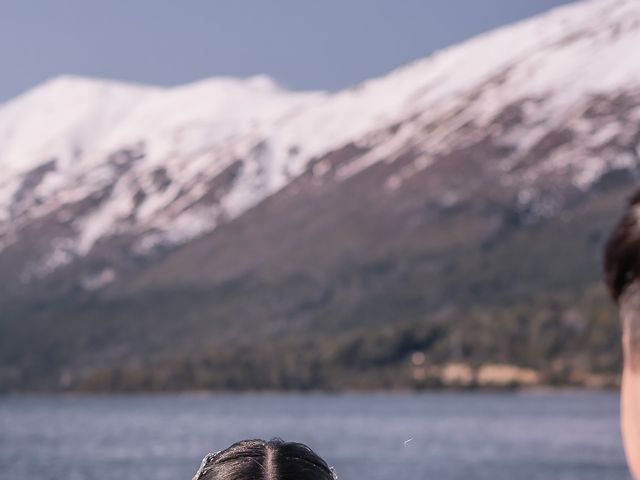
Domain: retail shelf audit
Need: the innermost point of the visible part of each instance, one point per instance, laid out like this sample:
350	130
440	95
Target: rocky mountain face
455	207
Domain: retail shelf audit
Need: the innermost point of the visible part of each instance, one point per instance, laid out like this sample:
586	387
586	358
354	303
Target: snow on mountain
161	166
62	118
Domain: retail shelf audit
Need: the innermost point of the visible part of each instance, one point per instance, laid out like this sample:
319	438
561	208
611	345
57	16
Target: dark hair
622	251
261	460
622	276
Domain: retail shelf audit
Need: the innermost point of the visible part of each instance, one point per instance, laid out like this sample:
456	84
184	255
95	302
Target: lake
444	436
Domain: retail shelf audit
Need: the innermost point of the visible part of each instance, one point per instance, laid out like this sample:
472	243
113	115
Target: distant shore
419	377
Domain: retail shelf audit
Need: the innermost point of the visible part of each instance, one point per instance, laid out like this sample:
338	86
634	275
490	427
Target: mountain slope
164	166
467	192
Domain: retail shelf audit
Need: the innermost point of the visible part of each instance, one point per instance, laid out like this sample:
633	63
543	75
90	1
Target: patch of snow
99	280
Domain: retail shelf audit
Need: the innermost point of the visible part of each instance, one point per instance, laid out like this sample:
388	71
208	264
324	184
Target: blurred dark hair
622	251
262	460
622	276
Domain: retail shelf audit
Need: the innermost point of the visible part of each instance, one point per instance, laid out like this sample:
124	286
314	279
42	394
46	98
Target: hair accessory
205	461
334	474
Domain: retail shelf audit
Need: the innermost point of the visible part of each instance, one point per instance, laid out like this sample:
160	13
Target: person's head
622	275
261	460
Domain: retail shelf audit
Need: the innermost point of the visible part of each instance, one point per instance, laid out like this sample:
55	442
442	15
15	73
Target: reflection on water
565	436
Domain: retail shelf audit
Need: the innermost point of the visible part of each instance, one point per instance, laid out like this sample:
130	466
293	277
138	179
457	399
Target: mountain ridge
170	126
469	191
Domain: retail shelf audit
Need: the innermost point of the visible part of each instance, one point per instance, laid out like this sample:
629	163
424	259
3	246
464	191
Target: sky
303	44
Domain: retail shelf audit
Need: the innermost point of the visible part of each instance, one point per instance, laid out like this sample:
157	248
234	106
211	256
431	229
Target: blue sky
304	44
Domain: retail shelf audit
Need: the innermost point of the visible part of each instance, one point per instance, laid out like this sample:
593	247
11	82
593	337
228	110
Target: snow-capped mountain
98	172
234	234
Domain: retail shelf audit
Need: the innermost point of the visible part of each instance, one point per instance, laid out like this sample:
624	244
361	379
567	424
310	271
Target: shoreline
530	390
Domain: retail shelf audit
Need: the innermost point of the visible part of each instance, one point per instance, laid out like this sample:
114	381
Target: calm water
567	436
